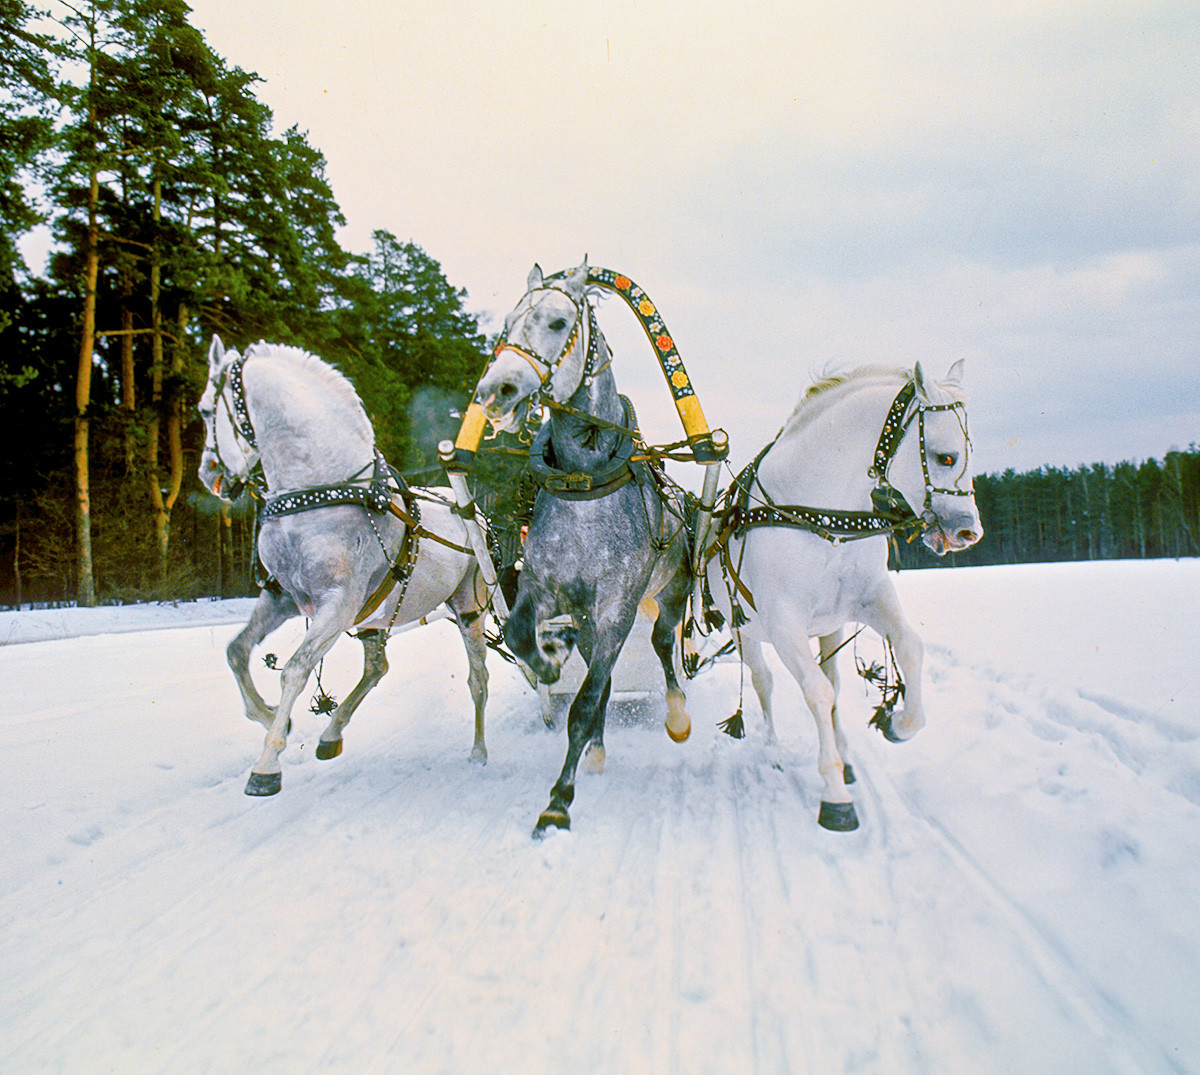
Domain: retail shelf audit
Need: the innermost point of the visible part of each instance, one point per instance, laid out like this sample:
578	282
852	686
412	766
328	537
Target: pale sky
796	185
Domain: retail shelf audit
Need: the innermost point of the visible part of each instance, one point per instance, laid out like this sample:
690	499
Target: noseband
546	370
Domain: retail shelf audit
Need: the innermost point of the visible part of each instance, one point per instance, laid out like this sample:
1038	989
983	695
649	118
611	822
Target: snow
1021	896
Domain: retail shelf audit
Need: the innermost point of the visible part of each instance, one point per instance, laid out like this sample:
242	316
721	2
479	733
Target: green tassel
734	727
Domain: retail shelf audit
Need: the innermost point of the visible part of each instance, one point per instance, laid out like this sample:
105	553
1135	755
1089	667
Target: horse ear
535	278
955	376
919	381
216	352
577	279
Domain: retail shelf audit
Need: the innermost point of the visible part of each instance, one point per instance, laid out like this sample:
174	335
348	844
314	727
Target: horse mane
330	378
821	393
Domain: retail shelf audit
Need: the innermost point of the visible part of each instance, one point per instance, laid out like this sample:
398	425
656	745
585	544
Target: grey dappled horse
601	538
343	547
807	550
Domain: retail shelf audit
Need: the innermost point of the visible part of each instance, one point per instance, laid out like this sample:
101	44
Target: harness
385	491
891	513
619	470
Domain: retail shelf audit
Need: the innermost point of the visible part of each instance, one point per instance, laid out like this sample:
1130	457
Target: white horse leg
763	681
270	611
837	807
375	666
885	616
830	643
266	778
471	627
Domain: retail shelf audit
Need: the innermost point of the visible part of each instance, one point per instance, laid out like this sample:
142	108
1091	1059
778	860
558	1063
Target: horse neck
821	459
578	445
307	435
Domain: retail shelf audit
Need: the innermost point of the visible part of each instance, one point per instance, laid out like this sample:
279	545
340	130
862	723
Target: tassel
737	617
734	727
270	660
322	703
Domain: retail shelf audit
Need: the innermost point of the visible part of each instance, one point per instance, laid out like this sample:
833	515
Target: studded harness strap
385	491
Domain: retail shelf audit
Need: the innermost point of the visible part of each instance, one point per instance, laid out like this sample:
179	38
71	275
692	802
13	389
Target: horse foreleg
266	778
375	666
837	808
886	617
762	680
270	611
830	644
584	724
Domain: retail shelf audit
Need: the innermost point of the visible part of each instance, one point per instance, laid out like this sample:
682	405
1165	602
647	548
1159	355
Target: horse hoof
325	750
594	758
678	723
552	817
264	784
838	817
847	773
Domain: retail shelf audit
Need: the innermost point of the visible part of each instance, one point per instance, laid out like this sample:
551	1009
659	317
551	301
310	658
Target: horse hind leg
762	681
662	638
829	645
837	807
471	626
375	666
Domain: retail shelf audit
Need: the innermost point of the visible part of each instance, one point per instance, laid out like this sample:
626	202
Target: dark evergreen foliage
1097	512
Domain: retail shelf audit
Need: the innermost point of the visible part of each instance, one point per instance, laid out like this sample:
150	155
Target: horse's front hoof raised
264	784
555	817
325	750
837	817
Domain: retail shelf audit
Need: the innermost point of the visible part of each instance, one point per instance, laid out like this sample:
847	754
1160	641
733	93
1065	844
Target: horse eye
945	459
558	324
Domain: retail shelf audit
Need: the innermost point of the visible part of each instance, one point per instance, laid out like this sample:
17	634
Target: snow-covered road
1022	895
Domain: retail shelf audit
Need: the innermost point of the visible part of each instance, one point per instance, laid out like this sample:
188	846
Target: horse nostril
967	537
507	390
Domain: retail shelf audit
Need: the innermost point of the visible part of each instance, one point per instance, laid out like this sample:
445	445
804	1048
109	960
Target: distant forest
175	214
1098	512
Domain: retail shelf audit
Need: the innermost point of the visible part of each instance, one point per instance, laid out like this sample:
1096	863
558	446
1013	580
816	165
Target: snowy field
1023	895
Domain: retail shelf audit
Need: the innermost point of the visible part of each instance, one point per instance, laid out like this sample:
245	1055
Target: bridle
584	326
231	392
895	426
892	512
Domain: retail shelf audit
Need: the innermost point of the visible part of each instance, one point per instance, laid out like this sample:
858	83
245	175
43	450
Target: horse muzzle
952	534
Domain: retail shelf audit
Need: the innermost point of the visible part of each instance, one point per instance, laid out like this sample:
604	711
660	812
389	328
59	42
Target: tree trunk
86	583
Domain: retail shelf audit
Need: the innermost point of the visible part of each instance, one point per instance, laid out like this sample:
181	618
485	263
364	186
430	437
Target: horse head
229	456
544	350
932	464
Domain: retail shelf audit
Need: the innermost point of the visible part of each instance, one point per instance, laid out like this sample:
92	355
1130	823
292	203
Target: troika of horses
796	546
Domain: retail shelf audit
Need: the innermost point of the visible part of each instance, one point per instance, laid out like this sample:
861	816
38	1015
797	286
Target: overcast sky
797	185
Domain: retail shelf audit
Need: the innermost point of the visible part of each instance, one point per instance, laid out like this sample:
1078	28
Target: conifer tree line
1097	512
176	213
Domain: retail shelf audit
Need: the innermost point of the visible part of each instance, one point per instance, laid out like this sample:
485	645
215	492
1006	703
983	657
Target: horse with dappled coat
603	535
346	543
803	545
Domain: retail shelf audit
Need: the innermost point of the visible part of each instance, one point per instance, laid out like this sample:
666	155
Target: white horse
804	550
344	547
